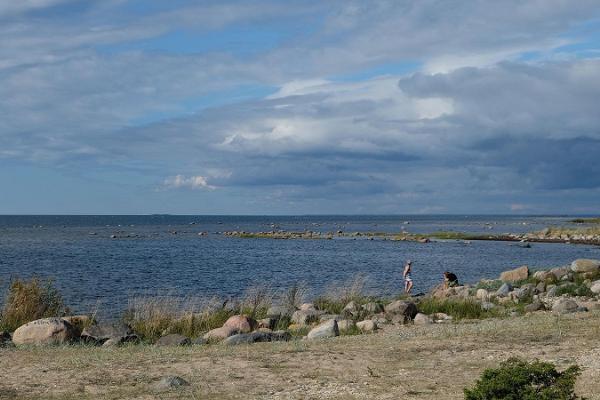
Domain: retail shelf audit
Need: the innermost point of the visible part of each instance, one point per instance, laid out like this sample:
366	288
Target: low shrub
574	289
153	317
517	379
28	300
490	285
457	308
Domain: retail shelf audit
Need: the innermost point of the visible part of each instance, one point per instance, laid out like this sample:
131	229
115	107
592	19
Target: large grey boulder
585	265
100	333
366	326
46	331
256	337
515	275
173	340
565	306
305	317
595	287
325	330
404	308
504	290
422	319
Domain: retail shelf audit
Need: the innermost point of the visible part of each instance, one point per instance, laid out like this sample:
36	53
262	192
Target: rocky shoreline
567	289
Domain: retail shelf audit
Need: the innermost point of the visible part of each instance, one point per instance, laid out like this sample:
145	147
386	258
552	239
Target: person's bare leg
410	285
406	286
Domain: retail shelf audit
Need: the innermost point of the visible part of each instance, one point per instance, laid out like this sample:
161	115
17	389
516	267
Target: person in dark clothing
450	279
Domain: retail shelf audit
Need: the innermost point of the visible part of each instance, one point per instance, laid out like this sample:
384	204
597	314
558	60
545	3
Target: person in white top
408	283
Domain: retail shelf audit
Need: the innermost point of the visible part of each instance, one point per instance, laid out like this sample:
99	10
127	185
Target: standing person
408	283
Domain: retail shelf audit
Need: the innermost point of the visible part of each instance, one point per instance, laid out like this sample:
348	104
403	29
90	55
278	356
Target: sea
101	262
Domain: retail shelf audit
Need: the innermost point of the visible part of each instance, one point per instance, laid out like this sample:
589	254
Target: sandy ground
431	362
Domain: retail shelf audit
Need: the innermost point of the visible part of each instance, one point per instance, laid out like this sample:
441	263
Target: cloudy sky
296	107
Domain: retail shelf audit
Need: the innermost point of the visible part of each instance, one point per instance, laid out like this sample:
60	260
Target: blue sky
296	107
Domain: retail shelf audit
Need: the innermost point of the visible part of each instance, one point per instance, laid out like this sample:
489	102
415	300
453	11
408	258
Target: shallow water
92	270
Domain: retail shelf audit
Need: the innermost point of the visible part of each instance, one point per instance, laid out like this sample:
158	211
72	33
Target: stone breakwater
565	289
548	235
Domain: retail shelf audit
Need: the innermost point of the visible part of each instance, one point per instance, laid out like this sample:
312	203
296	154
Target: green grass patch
456	308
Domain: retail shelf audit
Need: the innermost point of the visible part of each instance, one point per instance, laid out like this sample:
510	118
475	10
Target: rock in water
515	275
585	265
325	330
45	331
173	340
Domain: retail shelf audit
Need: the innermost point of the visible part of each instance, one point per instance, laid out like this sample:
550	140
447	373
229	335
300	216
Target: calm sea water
94	271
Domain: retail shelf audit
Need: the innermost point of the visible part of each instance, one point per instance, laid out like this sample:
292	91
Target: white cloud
191	182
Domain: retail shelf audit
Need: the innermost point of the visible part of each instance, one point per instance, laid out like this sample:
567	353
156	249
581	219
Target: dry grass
408	362
28	300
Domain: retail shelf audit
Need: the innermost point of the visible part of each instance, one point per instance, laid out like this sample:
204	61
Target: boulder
403	308
515	275
278	312
535	306
482	294
45	331
325	330
543	275
307	307
595	287
564	306
220	333
351	307
504	290
269	323
305	317
441	317
366	326
373	307
120	340
325	317
560	272
173	340
487	306
241	323
422	319
167	383
345	324
199	341
5	340
551	290
100	333
256	337
540	287
585	265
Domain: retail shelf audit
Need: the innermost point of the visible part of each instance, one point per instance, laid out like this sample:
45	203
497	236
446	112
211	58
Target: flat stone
120	340
100	333
220	333
535	306
565	306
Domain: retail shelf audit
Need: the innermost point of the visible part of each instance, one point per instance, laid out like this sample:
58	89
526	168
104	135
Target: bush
28	300
457	308
517	379
153	317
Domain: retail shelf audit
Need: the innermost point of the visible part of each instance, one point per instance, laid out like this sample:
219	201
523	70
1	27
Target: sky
300	107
